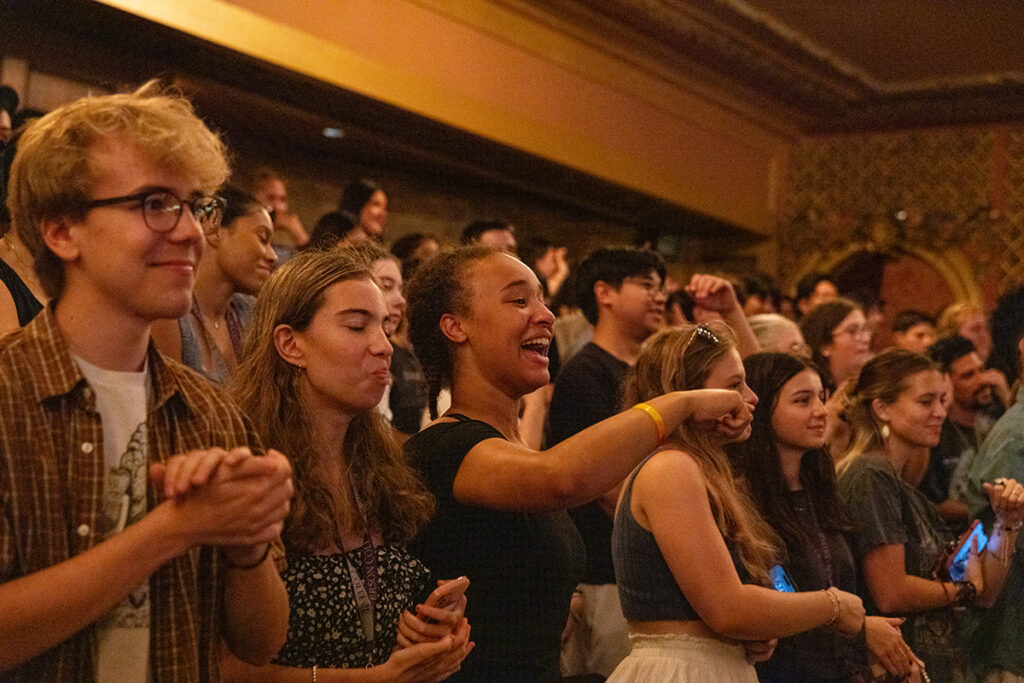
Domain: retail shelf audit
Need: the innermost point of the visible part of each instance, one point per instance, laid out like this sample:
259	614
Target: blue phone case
958	565
780	580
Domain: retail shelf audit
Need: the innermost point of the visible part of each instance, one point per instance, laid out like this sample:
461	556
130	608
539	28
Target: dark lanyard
823	551
366	589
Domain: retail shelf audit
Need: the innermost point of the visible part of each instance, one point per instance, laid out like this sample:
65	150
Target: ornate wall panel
954	197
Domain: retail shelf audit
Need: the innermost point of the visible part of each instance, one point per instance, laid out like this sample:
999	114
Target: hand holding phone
957	563
440	615
448	593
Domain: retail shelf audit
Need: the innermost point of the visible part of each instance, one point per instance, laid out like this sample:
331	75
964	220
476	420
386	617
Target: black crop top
647	588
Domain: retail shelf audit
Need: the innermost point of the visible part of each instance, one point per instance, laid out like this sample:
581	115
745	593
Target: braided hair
438	288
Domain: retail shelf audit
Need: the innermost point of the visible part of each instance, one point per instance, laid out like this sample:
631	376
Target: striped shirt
51	495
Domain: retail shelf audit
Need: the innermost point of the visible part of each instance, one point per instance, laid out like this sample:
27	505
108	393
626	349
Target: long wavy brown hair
267	389
679	359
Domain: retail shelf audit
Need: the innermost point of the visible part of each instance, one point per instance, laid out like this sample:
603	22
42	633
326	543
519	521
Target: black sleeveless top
522	566
25	301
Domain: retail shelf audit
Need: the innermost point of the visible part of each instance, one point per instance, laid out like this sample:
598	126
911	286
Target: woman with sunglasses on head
692	555
237	260
790	477
315	366
896	410
839	338
479	325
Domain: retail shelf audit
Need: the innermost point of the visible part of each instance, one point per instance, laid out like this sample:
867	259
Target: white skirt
682	657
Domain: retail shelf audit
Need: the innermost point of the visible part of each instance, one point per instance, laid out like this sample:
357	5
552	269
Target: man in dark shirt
973	409
620	292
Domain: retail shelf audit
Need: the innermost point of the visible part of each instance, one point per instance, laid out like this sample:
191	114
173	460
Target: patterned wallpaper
954	197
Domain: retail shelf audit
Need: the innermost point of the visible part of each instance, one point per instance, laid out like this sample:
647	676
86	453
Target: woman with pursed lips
479	326
315	366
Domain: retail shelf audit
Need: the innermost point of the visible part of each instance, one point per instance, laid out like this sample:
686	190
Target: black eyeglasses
161	210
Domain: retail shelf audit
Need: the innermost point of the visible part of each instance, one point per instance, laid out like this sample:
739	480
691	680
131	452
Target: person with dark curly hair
479	326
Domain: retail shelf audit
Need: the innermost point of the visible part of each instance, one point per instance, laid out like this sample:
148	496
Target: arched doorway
901	281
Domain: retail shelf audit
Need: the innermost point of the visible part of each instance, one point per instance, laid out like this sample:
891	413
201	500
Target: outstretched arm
503	475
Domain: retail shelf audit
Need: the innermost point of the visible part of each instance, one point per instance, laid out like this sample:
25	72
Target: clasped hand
227	498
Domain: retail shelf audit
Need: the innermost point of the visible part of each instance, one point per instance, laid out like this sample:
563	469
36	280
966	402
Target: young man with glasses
620	292
135	522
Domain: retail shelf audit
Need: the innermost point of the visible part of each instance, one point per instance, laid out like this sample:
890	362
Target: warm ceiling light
334	133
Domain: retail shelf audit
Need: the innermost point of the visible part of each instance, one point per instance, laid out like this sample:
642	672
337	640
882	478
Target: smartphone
447	594
957	564
780	580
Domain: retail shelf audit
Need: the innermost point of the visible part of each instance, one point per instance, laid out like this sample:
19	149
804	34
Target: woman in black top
479	326
791	479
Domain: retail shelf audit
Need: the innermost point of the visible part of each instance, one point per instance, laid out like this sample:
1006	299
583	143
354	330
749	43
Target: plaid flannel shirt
51	495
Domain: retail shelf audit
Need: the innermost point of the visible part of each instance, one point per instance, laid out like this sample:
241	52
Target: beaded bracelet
966	592
830	592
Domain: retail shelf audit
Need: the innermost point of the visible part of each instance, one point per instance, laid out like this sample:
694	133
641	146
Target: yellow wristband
659	423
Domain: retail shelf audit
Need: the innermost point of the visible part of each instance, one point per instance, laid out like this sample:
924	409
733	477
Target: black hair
685	301
910	317
9	100
437	288
471	233
808	283
948	350
356	195
532	248
237	203
330	229
760	285
757	458
1007	325
404	246
612	265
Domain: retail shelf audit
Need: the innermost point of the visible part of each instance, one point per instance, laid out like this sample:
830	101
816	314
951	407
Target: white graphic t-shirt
122	400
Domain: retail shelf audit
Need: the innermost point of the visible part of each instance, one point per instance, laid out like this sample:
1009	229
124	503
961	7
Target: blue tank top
647	588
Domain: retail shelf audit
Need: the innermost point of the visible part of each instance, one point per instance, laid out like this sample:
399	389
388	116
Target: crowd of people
237	450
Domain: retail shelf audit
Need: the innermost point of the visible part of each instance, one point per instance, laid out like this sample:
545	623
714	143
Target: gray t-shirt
885	510
122	399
